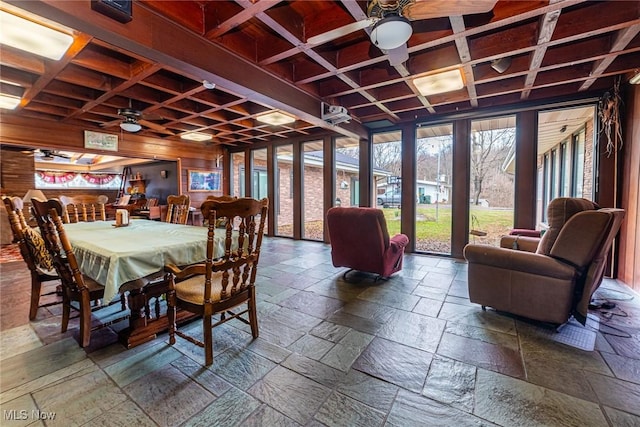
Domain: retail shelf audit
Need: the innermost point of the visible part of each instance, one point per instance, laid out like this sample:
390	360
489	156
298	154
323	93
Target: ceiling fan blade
340	31
398	55
426	9
151	116
155	126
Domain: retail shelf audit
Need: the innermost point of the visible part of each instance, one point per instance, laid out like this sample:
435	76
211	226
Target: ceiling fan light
391	32
130	126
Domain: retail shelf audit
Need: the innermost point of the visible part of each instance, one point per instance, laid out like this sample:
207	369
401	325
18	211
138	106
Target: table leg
142	326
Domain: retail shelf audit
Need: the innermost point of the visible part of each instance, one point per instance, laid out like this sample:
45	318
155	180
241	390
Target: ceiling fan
49	155
135	119
389	22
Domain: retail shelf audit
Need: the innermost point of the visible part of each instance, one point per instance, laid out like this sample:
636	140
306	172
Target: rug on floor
574	334
10	253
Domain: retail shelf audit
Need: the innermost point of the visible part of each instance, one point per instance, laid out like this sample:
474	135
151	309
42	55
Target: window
284	190
434	173
237	174
347	172
565	148
313	190
492	178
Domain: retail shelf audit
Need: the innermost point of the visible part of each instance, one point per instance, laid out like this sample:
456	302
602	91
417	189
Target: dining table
130	259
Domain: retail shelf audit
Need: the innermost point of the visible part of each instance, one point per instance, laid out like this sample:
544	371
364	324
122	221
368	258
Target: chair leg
85	319
208	339
344	276
171	316
66	313
253	315
36	288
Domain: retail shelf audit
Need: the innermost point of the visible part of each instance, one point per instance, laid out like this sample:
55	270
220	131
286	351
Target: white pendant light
391	32
130	125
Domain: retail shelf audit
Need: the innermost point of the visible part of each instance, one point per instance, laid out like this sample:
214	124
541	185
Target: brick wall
587	183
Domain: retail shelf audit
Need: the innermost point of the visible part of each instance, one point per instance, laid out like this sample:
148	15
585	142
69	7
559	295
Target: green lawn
433	235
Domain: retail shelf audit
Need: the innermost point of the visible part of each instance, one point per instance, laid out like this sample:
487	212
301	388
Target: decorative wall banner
100	141
56	177
51	177
98	179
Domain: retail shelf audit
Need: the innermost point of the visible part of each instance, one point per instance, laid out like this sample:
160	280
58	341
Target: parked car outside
390	198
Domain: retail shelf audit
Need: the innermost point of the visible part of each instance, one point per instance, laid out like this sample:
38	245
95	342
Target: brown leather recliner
554	282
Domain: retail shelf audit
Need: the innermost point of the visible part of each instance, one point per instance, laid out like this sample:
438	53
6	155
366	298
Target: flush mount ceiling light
208	85
391	32
130	125
275	118
439	83
9	102
27	35
197	136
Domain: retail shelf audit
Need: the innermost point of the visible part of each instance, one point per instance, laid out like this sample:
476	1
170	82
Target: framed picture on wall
205	180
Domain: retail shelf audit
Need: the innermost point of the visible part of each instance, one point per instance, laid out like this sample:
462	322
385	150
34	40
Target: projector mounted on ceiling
334	114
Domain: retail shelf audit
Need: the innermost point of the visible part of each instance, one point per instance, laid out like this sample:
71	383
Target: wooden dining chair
225	282
77	288
178	209
34	254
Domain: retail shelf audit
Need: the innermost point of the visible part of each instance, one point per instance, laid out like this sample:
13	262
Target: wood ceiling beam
52	69
622	39
162	41
547	25
146	71
457	25
451	38
250	10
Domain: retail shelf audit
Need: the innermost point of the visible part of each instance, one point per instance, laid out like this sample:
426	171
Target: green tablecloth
115	255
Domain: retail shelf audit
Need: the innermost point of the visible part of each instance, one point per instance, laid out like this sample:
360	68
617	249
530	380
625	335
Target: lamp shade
130	126
34	194
391	32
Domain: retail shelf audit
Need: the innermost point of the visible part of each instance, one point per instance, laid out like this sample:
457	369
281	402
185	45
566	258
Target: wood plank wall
629	261
26	132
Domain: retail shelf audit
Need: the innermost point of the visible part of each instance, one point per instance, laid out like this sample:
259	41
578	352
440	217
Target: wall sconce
344	185
164	174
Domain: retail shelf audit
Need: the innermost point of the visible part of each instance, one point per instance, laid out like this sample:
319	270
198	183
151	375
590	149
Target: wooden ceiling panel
60	101
70	90
500	86
595	17
579	71
511	38
433	59
577	51
256	52
187	13
81	76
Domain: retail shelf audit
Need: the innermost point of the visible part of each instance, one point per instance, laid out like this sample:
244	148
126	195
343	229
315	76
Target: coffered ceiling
290	56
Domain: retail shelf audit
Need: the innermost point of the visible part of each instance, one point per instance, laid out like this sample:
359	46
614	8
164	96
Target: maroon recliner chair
360	241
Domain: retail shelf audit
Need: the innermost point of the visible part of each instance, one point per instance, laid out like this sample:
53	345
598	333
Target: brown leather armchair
552	283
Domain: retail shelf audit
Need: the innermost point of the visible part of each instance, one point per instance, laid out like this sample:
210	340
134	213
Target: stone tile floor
411	351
